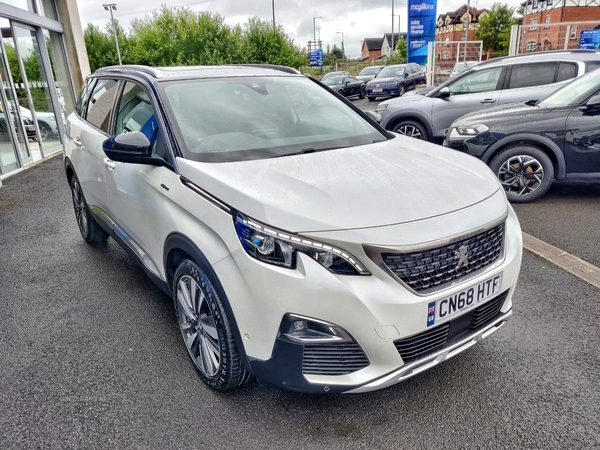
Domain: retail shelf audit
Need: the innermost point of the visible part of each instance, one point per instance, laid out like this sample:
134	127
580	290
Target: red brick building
541	31
452	27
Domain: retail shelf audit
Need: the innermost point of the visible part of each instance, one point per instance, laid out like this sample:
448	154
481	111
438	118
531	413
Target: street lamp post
273	7
113	7
315	29
396	46
343	51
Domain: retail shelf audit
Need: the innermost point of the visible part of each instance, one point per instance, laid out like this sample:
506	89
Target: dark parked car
490	83
394	81
347	86
528	145
335	74
368	73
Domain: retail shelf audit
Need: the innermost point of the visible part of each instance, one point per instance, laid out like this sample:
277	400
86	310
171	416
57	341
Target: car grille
333	359
418	345
432	269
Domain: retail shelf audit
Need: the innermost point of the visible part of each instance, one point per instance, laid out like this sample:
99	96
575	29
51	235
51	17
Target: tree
332	56
494	27
401	54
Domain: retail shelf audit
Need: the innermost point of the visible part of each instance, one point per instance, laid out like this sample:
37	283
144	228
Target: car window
527	75
566	71
135	113
480	81
392	72
590	66
80	108
258	117
101	103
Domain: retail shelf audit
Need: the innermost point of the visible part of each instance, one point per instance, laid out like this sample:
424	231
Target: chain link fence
453	56
536	37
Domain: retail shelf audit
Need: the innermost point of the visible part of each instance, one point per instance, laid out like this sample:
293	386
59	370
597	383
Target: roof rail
272	66
139	68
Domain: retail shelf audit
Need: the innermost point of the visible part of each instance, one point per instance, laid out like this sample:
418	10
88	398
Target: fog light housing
305	330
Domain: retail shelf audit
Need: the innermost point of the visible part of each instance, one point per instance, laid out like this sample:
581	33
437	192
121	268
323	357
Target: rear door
87	131
534	81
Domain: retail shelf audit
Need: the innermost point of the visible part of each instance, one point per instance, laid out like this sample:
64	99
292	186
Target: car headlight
381	107
472	130
280	248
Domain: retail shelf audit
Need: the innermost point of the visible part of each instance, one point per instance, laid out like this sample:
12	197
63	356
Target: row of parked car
377	81
499	112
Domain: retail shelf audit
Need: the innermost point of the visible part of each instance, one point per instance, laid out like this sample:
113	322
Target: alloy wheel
197	326
521	175
80	207
410	130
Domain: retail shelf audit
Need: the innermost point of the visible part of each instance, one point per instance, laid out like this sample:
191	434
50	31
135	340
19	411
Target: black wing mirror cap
444	92
131	147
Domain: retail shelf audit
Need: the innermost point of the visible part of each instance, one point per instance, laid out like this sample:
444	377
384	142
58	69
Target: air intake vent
487	312
413	347
333	359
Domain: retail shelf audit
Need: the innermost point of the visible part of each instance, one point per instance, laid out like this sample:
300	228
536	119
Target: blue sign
590	40
421	28
316	58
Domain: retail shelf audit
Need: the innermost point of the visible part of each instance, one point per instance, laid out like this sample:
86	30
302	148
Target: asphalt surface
90	353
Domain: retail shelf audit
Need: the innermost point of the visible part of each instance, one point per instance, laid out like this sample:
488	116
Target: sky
356	19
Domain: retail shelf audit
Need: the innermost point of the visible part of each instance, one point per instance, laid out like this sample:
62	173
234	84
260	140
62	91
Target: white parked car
302	243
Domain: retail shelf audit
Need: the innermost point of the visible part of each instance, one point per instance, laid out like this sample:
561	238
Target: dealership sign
590	40
421	28
316	57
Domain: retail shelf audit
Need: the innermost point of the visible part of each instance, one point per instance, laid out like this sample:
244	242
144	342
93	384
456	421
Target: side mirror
593	103
444	92
405	75
346	83
131	147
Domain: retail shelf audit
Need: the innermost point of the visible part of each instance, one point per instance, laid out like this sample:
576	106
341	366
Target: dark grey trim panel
592	176
518	138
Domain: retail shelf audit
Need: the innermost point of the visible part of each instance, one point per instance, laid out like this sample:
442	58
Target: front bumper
377	311
382	92
474	146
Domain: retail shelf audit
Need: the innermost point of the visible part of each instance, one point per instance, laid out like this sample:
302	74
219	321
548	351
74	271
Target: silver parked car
301	243
495	82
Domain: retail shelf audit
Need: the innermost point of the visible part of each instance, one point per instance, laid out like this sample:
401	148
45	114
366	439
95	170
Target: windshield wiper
307	150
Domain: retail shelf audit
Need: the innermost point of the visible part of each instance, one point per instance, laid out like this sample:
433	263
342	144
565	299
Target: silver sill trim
416	367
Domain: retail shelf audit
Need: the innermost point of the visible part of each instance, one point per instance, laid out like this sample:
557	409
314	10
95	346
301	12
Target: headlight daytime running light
472	130
277	247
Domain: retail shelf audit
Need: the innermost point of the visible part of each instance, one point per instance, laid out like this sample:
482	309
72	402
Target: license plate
453	305
377	90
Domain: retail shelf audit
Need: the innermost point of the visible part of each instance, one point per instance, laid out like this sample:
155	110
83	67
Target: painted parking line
571	263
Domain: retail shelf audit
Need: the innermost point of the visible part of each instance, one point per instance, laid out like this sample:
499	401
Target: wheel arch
410	116
178	247
69	170
549	147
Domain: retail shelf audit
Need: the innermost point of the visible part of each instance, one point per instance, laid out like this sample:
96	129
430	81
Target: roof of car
573	55
180	72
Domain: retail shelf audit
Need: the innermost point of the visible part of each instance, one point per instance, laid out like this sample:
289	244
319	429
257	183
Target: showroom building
43	62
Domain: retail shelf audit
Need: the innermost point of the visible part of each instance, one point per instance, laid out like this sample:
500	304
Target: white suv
301	242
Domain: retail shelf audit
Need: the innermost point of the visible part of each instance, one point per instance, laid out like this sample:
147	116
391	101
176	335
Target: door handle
77	141
109	164
488	101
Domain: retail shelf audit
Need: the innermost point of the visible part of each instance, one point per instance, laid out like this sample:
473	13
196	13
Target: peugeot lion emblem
462	254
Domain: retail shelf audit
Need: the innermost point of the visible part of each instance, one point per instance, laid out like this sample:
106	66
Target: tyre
363	92
91	232
341	92
401	90
524	171
371	99
45	131
412	129
205	328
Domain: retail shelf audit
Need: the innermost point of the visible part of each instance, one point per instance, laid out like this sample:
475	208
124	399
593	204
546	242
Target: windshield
237	119
391	72
574	92
369	71
334	81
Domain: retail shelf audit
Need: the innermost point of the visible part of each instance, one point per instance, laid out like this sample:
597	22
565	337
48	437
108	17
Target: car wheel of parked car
363	92
205	328
371	99
525	172
90	230
341	92
45	131
412	129
401	90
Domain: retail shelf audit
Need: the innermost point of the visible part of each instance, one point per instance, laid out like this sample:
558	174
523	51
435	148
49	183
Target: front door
582	141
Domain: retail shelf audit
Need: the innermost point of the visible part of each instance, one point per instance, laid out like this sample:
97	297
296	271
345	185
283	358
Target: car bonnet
396	181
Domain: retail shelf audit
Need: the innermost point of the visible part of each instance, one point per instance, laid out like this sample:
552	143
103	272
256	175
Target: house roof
373	43
457	14
387	37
